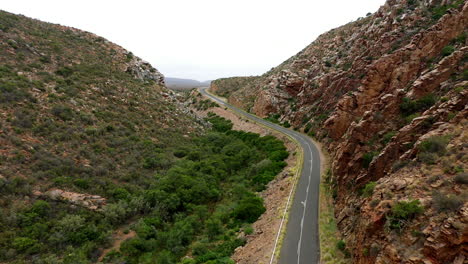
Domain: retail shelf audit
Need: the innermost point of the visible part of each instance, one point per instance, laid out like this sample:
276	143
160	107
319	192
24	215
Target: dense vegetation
75	118
199	200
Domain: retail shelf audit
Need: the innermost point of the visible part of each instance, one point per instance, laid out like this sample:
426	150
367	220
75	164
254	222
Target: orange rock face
376	91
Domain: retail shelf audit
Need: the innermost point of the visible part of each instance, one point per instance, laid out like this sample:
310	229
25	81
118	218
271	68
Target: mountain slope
387	95
99	161
79	117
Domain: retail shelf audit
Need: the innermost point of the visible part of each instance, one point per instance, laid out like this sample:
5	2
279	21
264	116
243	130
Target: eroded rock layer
387	94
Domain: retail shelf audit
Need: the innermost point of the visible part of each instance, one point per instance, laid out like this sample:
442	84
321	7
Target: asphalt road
301	241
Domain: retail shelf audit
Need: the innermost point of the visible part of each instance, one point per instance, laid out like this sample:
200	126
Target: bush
431	148
248	230
133	247
409	107
368	190
367	158
81	183
120	193
402	212
65	71
63	112
180	153
40	207
443	203
26	244
428	158
214	227
23	119
461	178
249	209
278	155
388	136
341	245
447	50
220	124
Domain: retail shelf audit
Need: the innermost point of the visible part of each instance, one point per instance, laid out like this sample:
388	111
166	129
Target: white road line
299	138
305	206
282	220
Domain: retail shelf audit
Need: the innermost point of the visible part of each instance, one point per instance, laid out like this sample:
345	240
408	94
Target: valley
353	150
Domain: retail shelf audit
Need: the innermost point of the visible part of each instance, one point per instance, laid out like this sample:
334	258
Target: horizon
238	39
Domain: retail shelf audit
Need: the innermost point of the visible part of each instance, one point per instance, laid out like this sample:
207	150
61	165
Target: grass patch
329	234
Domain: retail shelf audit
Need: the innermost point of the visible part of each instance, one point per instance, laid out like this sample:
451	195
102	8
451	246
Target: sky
202	39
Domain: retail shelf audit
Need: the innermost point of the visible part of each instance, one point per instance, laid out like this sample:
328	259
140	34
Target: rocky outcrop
373	91
143	70
91	202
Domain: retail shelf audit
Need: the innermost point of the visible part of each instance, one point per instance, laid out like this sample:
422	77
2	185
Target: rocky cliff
387	94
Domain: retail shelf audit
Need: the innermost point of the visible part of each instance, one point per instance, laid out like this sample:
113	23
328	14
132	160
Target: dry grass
329	234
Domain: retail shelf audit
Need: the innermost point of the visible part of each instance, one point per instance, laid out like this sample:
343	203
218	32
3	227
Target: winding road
301	240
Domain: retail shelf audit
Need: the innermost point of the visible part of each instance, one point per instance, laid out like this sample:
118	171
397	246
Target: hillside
184	84
387	96
100	161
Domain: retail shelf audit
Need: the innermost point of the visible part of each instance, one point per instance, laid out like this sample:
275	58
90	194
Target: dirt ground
118	237
260	243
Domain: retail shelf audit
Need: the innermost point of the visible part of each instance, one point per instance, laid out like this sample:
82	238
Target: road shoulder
261	242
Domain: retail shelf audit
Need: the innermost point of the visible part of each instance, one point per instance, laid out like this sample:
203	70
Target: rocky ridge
376	91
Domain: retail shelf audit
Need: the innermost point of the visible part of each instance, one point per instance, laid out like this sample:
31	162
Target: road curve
301	241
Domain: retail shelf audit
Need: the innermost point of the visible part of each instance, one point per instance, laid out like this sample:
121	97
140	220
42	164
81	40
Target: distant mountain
178	83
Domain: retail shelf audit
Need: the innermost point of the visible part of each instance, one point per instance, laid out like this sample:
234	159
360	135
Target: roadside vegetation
332	248
197	201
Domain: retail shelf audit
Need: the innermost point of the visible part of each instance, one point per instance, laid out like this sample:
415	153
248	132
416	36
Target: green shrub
26	244
434	144
81	183
120	193
341	245
23	119
307	127
40	207
388	136
368	189
248	230
461	178
410	118
249	209
427	158
180	153
273	118
63	112
447	50
65	71
460	38
447	202
214	227
409	107
402	212
367	158
278	155
220	124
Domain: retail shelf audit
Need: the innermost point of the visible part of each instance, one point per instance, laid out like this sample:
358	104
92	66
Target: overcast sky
202	39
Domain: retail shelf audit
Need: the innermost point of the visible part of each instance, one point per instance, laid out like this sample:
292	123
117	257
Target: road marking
298	137
305	206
